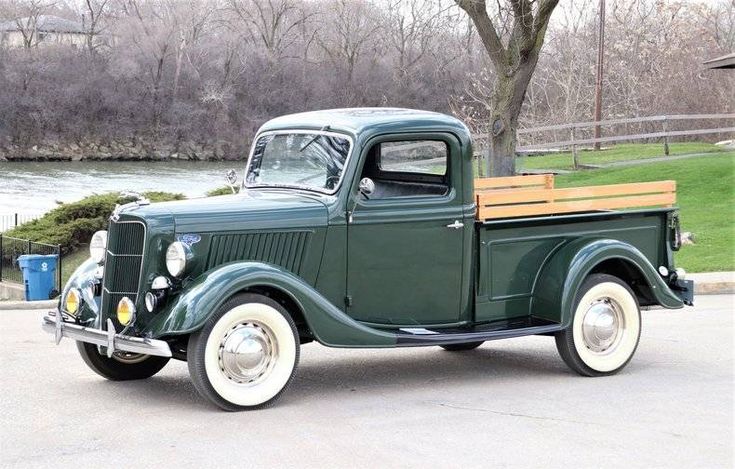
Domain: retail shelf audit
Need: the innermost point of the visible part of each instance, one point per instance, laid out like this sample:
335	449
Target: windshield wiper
313	139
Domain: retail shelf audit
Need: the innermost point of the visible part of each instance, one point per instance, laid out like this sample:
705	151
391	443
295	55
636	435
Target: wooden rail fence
574	141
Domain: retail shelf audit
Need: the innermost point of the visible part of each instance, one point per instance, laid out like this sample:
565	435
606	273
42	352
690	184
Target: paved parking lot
507	404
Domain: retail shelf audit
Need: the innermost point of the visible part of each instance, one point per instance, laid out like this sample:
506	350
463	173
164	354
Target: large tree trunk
506	103
514	64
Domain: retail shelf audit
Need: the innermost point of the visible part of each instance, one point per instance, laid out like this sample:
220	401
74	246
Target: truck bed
510	252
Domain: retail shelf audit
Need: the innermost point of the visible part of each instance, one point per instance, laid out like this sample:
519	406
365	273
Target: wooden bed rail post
549	186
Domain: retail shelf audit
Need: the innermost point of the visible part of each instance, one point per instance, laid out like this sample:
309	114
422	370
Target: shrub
73	224
224	190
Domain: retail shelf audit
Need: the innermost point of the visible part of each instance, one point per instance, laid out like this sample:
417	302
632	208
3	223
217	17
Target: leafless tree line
214	70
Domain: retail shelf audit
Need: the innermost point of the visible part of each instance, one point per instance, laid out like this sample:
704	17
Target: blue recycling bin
39	275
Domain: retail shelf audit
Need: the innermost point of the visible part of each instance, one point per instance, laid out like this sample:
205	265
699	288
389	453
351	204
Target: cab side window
410	168
419	157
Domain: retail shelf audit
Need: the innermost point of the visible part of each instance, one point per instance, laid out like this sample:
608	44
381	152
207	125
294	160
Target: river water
35	187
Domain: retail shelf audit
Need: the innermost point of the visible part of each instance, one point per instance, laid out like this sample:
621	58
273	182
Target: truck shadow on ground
339	374
399	369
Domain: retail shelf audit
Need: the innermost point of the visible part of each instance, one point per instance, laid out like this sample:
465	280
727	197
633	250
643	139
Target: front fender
83	279
561	276
200	299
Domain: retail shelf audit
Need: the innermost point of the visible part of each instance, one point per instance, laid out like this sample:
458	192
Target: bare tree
272	24
514	56
353	27
411	30
93	16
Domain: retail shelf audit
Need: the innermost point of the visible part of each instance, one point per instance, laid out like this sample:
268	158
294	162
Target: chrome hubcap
602	325
129	358
247	353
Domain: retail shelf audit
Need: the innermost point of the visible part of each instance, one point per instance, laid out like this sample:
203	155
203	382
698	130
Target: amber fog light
72	301
125	311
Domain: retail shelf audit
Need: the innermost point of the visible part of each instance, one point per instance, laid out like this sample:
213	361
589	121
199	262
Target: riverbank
129	149
35	187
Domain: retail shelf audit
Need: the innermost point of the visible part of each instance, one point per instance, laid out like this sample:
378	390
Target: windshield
306	160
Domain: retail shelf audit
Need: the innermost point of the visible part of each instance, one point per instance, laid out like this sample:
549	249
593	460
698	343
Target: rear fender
559	280
200	299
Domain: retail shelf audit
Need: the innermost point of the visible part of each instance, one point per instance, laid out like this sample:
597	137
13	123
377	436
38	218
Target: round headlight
176	255
125	311
98	246
72	301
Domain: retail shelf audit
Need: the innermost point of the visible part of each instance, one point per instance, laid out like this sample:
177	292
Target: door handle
456	225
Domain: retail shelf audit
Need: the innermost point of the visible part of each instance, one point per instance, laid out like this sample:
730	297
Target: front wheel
245	355
605	329
122	366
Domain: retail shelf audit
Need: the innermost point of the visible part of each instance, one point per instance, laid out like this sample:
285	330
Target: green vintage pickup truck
367	228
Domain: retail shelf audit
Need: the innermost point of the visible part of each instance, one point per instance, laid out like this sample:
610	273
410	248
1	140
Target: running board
418	337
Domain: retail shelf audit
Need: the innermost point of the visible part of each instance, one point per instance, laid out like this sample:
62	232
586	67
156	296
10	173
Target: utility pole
598	79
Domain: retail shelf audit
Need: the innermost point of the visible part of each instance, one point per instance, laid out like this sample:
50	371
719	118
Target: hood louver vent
286	249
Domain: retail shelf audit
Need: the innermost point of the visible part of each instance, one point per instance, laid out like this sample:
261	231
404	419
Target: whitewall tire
605	329
246	354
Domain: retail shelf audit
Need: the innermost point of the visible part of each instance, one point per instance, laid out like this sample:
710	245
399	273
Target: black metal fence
12	248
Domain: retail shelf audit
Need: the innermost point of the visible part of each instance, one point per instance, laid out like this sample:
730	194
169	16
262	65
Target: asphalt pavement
510	403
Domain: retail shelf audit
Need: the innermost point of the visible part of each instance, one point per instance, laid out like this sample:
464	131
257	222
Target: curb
713	283
44	304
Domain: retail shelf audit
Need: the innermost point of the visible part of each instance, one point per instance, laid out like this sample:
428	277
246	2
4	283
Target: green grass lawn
705	195
624	152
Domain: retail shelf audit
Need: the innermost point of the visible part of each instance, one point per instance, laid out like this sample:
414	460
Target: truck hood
251	209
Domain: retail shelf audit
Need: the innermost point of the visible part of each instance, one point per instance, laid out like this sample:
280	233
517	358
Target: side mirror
366	187
231	178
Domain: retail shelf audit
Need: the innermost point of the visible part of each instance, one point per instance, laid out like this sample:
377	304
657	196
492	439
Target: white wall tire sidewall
605	363
253	395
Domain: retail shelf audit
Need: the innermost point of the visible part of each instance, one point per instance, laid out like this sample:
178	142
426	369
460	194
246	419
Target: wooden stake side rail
518	196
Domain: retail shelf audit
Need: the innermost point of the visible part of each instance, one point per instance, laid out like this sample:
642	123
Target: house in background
42	30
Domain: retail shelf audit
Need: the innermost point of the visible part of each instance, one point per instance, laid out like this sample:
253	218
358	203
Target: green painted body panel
559	280
512	254
403	249
359	270
329	324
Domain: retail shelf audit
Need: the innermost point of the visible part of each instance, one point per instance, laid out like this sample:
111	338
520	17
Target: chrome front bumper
54	323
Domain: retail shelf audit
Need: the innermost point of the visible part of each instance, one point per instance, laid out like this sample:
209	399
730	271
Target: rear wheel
605	329
462	347
246	354
122	366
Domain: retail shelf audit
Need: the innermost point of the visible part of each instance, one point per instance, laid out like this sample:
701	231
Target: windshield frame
337	187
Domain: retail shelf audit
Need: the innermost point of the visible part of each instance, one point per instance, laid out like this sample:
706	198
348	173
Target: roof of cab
358	121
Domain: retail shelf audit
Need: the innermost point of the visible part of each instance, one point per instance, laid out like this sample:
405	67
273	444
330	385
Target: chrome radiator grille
123	262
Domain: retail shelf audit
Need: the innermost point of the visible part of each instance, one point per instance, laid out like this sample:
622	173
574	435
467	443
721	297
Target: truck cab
367	228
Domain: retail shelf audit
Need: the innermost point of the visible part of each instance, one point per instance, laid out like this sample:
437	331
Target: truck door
406	230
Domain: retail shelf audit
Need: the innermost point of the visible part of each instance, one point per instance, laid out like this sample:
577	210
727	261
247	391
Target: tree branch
545	8
477	10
